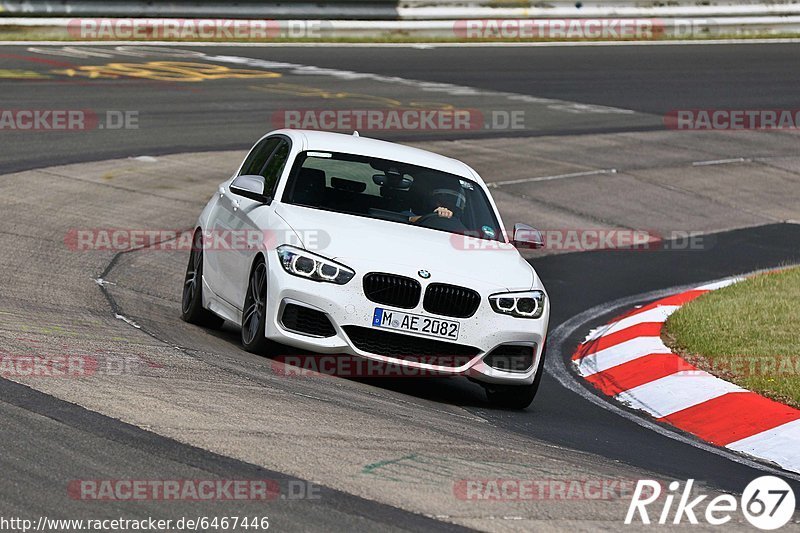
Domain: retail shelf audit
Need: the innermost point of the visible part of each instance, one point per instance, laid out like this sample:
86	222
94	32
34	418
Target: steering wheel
434	221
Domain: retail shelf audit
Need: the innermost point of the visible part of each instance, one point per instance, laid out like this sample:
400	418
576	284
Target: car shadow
452	390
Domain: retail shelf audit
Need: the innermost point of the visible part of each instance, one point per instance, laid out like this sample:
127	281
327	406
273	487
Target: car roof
351	144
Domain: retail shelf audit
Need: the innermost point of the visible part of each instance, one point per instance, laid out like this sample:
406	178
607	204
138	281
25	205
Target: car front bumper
347	305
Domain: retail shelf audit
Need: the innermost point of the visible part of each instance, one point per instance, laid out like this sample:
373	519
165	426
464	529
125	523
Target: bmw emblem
424	274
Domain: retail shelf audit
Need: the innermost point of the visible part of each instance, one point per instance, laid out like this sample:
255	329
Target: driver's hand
443	212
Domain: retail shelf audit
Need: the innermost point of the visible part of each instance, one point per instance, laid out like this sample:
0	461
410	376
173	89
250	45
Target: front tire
255	312
192	309
516	396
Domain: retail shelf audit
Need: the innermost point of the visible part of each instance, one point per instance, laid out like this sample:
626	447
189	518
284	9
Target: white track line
719	284
427	86
556	177
721	162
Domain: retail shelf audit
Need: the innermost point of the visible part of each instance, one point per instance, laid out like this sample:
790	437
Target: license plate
423	325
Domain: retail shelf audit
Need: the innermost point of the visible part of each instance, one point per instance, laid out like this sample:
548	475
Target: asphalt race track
650	80
383	455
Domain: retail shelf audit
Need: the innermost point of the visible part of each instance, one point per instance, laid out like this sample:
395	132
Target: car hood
368	244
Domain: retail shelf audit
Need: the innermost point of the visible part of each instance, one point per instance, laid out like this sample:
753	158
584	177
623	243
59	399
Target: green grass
748	333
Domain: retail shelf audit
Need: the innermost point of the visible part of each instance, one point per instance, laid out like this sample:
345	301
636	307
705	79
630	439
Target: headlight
529	304
304	264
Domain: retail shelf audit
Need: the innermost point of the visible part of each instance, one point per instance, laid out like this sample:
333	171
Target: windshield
393	191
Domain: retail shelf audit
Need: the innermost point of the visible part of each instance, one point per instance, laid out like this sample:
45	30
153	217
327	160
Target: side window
274	167
267	159
259	155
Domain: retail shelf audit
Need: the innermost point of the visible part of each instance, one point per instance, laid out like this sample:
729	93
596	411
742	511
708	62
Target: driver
447	201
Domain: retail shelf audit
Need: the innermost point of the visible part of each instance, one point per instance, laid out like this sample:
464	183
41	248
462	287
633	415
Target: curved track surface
190	404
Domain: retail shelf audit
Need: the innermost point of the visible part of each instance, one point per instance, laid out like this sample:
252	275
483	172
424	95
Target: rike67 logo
767	502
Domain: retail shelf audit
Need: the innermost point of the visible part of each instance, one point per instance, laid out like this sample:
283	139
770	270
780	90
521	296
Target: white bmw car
339	244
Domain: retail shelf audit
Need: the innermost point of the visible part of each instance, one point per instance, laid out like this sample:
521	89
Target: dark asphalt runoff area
639	84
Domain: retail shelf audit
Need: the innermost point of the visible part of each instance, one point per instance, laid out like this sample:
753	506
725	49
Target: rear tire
516	396
255	312
192	309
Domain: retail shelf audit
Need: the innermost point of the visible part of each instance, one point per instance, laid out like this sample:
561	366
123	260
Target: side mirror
250	186
527	237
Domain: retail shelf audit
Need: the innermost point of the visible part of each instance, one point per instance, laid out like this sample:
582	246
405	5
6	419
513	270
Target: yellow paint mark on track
19	74
324	94
165	71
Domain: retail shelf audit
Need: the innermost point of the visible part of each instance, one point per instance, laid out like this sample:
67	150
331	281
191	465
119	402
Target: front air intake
306	321
511	358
